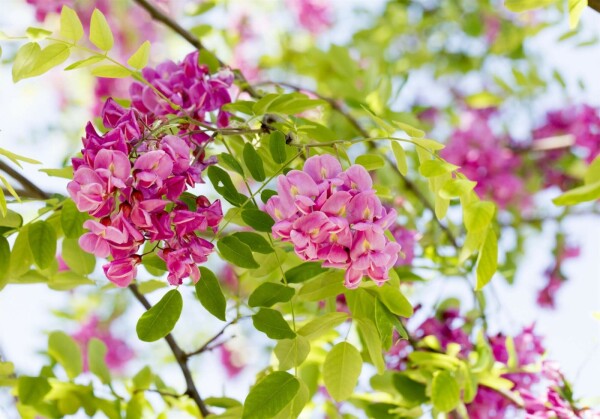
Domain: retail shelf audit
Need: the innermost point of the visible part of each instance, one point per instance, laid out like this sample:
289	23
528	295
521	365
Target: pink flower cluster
335	216
485	158
583	123
188	85
554	275
118	352
132	182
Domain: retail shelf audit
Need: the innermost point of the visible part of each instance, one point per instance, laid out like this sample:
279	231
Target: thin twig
32	190
206	346
180	357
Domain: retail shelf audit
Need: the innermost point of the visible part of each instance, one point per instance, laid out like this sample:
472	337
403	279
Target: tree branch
32	191
594	4
180	357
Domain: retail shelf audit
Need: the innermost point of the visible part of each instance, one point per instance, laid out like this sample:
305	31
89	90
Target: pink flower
113	167
89	192
151	169
122	271
180	265
230	360
313	15
487	159
118	352
100	238
407	240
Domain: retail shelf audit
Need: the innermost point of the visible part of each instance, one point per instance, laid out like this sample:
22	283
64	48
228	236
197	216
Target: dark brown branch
180	357
594	4
206	346
32	191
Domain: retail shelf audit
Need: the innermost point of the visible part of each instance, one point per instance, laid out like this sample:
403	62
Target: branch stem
180	357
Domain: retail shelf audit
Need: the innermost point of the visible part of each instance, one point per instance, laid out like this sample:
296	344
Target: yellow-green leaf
100	33
25	60
111	71
341	370
400	155
70	25
139	59
487	261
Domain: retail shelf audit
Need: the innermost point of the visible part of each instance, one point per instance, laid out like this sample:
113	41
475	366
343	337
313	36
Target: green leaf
236	252
304	272
585	193
16	158
258	220
277	147
410	390
455	188
295	407
370	161
272	323
341	370
76	258
432	168
394	300
270	395
143	379
3	207
487	261
32	389
324	286
79	64
224	186
70	25
254	163
139	59
25	60
322	325
11	220
42	242
4	260
592	174
210	294
71	220
231	162
291	352
400	156
111	71
483	100
37	34
255	241
158	322
65	281
48	58
66	352
478	215
409	129
270	293
524	5
100	33
21	257
96	359
372	340
445	392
